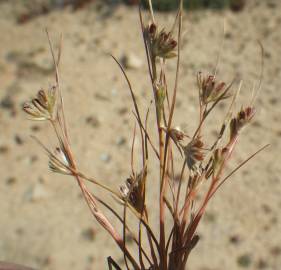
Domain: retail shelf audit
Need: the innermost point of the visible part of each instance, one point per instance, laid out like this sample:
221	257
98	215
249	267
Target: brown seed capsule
39	105
233	128
152	29
42	96
42	106
250	112
210	90
133	191
161	44
243	117
27	108
173	44
193	153
176	134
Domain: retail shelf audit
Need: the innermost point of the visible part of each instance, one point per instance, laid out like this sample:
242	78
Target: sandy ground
44	223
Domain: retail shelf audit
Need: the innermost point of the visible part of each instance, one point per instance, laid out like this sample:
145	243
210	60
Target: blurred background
44	222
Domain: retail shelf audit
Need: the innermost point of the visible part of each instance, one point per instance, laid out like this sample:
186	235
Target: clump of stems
202	163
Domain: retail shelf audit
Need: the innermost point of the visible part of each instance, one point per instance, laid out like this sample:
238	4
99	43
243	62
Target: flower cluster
210	90
133	191
242	118
161	44
194	153
43	106
58	162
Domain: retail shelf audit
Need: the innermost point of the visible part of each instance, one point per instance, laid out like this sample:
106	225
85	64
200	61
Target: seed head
177	134
133	191
161	44
152	30
210	90
43	106
242	119
194	153
58	162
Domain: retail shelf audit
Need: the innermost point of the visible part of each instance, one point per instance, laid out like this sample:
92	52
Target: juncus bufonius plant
202	163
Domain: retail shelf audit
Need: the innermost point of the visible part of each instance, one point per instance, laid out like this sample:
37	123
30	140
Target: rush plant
202	163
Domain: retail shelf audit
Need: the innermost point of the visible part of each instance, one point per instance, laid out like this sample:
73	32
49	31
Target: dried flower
152	29
242	118
210	90
59	163
194	153
177	134
42	107
161	43
133	191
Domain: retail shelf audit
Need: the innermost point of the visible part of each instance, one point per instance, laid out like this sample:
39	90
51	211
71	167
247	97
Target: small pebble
114	92
91	258
93	121
267	55
273	101
262	264
275	251
7	103
102	97
266	208
105	157
90	234
121	141
47	261
4	149
271	3
266	227
35	128
18	140
11	180
228	35
122	111
19	231
42	180
33	159
244	260
235	239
